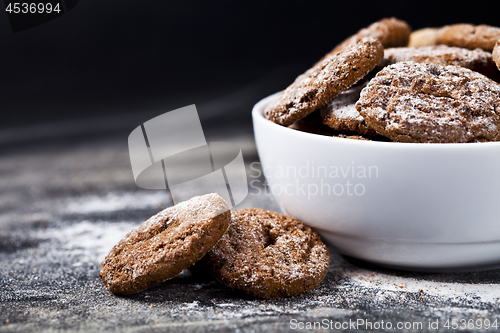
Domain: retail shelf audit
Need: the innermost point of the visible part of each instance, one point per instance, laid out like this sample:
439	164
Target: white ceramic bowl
429	207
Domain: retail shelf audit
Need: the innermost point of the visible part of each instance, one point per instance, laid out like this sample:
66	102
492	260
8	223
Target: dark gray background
112	57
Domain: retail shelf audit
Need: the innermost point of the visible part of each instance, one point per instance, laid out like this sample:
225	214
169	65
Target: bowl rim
258	116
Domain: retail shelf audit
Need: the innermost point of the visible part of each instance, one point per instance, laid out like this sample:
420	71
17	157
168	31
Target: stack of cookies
263	253
387	83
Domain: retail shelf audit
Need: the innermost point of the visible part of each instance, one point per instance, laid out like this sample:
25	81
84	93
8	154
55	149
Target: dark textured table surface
65	201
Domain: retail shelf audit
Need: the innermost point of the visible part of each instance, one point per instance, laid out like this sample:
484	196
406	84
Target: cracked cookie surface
469	36
165	244
268	254
341	114
417	102
324	81
391	32
477	60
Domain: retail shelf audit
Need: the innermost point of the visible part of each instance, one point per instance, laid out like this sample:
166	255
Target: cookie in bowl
429	103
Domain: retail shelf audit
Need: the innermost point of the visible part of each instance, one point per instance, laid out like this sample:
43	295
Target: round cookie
324	81
423	37
496	54
418	102
391	32
341	114
165	244
312	123
469	36
267	254
477	59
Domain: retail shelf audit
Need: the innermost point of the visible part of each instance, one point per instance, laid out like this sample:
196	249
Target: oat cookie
267	254
165	244
341	114
423	37
324	81
496	54
418	102
391	32
477	59
469	36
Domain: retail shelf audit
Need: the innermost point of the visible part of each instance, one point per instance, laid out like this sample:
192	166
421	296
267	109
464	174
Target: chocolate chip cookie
477	59
324	81
267	254
469	36
496	54
165	244
341	114
418	102
391	32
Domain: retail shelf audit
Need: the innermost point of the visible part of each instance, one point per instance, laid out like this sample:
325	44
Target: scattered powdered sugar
225	304
90	241
262	249
112	202
324	81
192	305
489	293
87	242
417	102
440	54
345	286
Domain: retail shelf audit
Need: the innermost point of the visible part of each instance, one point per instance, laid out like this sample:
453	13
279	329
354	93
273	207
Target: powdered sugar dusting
477	59
269	255
112	202
318	85
90	241
489	293
341	113
414	102
344	105
165	244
